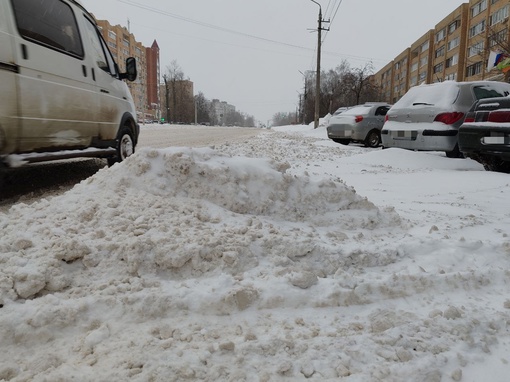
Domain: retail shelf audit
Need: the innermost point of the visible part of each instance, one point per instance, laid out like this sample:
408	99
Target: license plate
500	140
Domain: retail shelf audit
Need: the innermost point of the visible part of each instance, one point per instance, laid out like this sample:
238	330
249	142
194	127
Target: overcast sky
250	52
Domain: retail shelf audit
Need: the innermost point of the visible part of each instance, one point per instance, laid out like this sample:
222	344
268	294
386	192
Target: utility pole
318	75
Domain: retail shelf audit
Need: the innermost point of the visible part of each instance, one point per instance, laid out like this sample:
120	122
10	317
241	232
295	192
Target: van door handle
105	91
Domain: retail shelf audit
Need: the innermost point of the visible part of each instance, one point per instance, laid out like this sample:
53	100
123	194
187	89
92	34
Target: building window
499	16
425	46
453	26
440	52
476	49
453	43
438	68
477	29
498	38
112	35
424	61
473	70
423	76
453	60
414	67
451	77
413	81
440	35
478	8
112	44
125	43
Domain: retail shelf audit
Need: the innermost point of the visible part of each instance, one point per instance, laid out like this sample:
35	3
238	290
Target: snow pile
259	261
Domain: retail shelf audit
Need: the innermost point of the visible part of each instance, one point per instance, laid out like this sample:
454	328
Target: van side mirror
131	72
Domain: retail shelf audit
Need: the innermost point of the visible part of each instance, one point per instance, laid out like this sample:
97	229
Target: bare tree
202	105
179	97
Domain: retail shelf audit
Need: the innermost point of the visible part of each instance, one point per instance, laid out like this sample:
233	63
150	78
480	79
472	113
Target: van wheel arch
126	140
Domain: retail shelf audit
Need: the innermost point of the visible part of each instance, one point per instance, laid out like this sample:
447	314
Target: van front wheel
125	147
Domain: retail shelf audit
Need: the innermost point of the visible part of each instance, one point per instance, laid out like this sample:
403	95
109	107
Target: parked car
62	93
360	123
485	134
428	117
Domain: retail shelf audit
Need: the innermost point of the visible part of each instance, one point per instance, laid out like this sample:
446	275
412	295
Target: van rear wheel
125	147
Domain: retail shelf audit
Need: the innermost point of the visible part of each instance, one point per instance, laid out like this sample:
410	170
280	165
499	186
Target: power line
231	31
182	18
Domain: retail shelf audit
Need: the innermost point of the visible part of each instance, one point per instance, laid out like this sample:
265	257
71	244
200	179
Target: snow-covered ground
285	257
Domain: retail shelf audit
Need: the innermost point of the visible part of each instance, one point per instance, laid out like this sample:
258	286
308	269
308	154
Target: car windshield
441	94
357	110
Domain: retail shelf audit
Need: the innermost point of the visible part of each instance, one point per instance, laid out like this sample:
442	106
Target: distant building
220	110
457	48
153	79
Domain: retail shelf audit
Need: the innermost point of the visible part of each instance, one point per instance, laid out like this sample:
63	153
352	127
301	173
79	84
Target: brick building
153	80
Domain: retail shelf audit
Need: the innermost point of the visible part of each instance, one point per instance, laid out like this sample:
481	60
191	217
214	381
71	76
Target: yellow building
457	48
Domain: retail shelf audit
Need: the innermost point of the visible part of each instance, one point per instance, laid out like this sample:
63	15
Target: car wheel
455	153
125	147
373	139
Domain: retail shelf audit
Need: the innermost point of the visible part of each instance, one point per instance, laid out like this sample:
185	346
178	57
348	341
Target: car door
114	96
56	92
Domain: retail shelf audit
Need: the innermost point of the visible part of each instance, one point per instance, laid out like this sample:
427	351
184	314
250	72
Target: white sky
259	77
281	257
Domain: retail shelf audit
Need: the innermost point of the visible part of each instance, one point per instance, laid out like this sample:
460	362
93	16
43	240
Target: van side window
100	53
50	23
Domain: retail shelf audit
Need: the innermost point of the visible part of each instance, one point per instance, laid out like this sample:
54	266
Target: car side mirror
131	72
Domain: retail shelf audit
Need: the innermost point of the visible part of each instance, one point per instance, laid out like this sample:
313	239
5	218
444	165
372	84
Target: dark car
485	134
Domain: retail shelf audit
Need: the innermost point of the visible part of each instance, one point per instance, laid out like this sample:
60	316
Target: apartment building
457	48
220	111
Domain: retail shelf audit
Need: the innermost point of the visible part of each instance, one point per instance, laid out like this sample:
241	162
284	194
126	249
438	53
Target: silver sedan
362	123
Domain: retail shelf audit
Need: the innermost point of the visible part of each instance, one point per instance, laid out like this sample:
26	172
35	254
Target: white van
62	95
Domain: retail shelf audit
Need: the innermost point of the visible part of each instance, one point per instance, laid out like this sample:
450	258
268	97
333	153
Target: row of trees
341	86
179	104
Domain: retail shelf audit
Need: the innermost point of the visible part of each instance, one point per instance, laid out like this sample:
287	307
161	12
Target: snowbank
260	262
